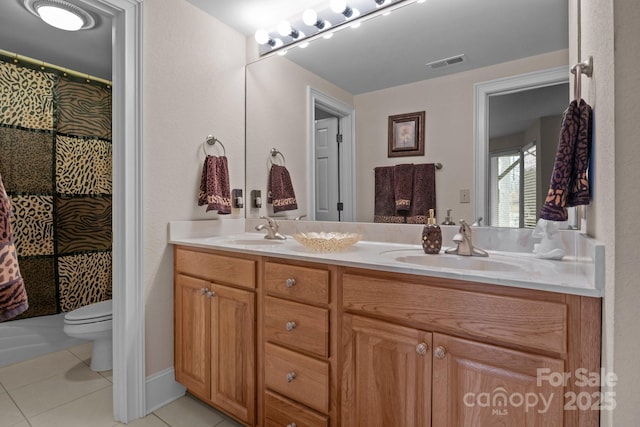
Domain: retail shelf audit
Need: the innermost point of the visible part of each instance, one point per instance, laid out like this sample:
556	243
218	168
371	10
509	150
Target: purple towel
214	185
280	190
569	185
403	187
13	295
424	193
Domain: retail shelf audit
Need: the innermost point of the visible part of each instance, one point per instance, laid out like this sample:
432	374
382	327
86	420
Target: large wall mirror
353	82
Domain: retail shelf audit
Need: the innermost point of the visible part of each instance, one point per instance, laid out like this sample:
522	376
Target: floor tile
10	414
189	412
37	369
94	410
150	420
83	351
76	382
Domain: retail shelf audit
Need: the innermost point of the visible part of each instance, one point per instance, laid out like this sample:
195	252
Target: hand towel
13	295
214	185
385	208
280	190
555	204
424	193
403	187
579	193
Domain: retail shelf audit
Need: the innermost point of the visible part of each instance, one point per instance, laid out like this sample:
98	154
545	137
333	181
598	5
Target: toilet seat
92	313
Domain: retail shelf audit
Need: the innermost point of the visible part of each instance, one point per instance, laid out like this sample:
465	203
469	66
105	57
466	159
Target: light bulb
310	17
284	28
262	37
338	6
60	18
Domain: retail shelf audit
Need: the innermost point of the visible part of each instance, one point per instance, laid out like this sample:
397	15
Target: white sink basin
456	262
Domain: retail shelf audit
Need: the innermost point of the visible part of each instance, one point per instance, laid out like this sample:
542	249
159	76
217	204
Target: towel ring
274	152
211	140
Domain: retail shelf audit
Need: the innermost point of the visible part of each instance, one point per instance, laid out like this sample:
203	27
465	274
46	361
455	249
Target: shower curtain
55	161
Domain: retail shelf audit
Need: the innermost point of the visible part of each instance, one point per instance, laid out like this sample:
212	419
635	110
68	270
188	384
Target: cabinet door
477	385
192	334
233	352
386	376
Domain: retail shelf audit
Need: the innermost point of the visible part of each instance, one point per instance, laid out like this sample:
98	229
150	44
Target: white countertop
520	270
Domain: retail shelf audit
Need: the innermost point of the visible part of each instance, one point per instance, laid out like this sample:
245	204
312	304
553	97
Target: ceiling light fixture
61	14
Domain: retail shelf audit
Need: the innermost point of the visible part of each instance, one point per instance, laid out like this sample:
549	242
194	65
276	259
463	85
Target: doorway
331	148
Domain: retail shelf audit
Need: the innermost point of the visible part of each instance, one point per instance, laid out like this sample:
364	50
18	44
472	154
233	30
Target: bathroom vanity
275	335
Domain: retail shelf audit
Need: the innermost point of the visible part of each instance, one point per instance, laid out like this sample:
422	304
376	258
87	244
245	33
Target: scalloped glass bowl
327	241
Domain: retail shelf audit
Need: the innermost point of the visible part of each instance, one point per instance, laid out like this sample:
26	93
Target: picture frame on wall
406	135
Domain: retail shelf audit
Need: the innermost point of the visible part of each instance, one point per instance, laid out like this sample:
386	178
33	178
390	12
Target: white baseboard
161	389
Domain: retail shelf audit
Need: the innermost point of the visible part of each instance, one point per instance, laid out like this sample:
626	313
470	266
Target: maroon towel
214	185
280	190
424	193
569	178
13	295
403	187
385	208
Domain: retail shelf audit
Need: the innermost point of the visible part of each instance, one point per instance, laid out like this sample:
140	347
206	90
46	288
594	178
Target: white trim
348	161
481	93
162	389
128	295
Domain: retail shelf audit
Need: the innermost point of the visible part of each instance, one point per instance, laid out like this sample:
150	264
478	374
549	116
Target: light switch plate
465	196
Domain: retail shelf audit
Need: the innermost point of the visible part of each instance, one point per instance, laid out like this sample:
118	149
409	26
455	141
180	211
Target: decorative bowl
327	241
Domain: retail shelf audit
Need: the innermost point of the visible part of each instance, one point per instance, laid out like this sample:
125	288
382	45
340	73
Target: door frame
481	93
129	401
347	115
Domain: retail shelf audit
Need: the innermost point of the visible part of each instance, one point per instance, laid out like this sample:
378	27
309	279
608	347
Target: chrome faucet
465	243
272	229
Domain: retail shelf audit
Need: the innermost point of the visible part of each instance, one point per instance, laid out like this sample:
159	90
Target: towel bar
211	140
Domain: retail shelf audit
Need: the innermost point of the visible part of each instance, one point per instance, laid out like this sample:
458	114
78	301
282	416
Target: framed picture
406	135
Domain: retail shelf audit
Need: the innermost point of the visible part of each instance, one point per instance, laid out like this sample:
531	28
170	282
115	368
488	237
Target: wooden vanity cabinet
299	344
215	326
420	351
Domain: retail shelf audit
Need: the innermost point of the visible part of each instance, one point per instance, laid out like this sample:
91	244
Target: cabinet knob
422	348
291	326
211	294
204	291
291	282
440	352
291	376
292	425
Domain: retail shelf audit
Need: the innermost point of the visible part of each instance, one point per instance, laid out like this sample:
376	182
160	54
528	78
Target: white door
327	171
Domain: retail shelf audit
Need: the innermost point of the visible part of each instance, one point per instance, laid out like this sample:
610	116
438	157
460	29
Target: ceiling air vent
441	63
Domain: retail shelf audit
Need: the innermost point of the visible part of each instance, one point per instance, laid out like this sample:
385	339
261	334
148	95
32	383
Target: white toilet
93	322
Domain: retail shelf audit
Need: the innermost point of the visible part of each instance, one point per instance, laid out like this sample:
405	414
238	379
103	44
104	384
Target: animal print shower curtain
55	161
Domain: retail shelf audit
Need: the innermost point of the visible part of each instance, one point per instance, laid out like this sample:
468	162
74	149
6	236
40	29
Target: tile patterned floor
59	389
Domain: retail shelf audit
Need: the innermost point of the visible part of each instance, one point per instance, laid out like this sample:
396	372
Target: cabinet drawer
530	323
298	283
297	325
281	412
297	376
216	268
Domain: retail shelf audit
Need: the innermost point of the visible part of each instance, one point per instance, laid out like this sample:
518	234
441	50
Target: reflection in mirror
281	113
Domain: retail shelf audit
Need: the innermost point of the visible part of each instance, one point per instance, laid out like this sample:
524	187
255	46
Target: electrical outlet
465	196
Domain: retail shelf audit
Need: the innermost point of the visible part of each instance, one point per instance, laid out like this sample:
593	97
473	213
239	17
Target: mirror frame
482	92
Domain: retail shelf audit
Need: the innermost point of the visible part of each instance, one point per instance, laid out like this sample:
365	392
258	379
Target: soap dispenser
431	235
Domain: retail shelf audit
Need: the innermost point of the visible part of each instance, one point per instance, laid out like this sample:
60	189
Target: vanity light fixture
341	6
310	17
61	14
262	38
285	29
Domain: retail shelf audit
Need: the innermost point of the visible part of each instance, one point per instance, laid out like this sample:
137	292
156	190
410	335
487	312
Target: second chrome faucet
464	241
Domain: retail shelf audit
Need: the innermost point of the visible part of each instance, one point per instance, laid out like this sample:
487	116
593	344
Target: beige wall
610	34
448	102
193	86
277	117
